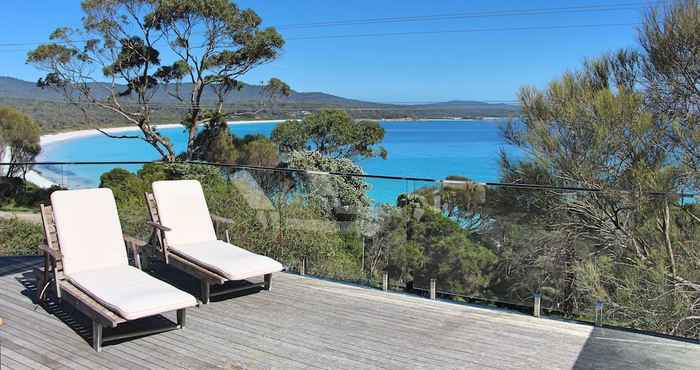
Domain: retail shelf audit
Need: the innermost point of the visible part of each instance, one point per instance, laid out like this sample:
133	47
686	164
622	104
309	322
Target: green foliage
217	144
458	198
333	195
459	264
390	249
670	40
19	238
223	199
16	193
260	152
622	122
20	135
332	133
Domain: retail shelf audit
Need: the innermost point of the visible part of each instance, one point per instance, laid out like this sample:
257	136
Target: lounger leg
181	318
57	285
205	291
268	281
97	336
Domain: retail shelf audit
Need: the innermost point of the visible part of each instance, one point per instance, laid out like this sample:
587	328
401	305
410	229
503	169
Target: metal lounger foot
97	336
205	291
268	282
181	318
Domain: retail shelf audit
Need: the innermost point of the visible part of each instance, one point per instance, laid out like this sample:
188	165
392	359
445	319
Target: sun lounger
187	240
86	259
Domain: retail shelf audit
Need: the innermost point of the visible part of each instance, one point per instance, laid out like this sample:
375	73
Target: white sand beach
35	178
32	176
68	135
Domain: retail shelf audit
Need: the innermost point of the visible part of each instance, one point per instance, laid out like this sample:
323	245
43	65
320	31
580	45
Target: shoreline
77	134
36	178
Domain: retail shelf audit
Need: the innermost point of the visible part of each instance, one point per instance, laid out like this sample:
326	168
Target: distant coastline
50	138
456	119
37	179
76	134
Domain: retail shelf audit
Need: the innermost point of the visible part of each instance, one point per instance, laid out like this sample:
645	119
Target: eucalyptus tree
111	62
215	44
126	51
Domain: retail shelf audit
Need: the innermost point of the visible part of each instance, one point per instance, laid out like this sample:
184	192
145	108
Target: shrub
19	238
16	193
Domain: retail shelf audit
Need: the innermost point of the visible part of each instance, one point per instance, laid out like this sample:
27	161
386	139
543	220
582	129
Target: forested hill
50	110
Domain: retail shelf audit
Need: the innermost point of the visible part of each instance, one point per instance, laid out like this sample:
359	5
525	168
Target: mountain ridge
11	87
49	109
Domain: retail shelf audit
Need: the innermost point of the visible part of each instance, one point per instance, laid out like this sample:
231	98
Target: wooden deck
311	323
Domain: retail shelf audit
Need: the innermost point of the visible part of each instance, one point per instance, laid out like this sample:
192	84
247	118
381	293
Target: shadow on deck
311	323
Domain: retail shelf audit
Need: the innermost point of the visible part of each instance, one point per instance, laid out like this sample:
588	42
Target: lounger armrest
135	245
56	255
134	242
222	220
158	226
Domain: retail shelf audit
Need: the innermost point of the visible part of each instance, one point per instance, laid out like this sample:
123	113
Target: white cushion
227	260
130	292
183	208
88	229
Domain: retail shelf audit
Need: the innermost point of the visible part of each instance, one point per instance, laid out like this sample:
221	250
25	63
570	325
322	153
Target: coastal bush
335	196
215	143
332	133
20	135
226	200
17	194
438	247
625	124
20	238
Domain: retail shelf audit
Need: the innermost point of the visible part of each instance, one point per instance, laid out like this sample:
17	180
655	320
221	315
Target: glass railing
614	258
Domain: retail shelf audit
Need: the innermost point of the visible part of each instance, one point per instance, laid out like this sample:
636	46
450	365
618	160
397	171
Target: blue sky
488	65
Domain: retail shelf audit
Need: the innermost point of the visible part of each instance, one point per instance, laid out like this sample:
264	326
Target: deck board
310	323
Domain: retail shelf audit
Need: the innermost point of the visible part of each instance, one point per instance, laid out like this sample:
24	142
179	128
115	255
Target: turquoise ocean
426	149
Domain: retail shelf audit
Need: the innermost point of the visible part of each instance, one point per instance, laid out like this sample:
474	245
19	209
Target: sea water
425	149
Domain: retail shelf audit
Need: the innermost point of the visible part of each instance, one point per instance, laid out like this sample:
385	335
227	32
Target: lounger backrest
183	208
88	230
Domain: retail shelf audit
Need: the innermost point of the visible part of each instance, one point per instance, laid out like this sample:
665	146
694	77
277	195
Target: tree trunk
191	135
161	145
666	229
195	111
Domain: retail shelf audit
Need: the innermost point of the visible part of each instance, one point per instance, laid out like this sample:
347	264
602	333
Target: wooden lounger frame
206	276
64	290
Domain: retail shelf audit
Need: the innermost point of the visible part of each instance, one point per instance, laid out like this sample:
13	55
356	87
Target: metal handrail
370	176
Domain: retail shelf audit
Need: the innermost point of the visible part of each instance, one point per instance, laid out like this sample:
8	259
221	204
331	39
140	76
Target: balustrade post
537	306
599	304
433	290
385	282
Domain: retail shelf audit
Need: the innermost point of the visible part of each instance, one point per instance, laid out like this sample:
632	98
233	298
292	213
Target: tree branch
105	133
